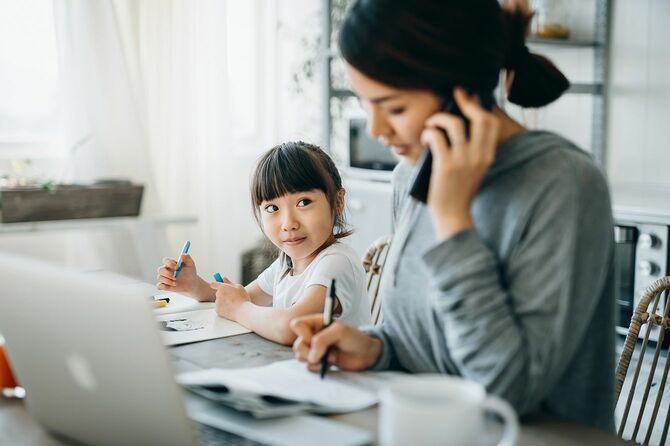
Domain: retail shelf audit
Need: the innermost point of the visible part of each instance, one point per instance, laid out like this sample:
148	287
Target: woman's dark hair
437	45
297	167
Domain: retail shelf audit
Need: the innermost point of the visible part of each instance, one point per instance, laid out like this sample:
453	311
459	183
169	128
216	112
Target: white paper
179	303
337	392
194	326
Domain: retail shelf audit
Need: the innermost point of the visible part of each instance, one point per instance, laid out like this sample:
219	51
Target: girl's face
395	117
298	224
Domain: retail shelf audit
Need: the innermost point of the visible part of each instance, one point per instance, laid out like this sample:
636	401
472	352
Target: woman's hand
459	167
229	298
187	282
351	349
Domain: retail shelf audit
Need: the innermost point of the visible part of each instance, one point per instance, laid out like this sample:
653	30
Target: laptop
95	370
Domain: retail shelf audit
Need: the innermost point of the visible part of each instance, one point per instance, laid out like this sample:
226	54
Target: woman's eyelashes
397	111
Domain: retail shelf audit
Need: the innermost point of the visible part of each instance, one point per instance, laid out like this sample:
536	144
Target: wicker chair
373	263
647	319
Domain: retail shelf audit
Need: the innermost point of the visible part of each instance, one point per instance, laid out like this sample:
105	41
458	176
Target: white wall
639	142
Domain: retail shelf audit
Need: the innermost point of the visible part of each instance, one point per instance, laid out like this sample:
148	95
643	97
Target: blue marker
218	277
179	262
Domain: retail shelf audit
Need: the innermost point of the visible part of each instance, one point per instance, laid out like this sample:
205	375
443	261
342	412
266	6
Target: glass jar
550	19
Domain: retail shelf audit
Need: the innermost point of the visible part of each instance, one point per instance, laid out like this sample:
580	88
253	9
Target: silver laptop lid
89	356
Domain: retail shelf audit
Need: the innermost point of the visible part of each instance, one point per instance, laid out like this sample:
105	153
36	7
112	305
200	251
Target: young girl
504	277
298	201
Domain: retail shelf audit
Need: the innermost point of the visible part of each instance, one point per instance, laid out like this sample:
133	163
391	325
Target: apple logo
81	371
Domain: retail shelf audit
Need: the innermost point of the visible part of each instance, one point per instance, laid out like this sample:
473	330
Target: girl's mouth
294	241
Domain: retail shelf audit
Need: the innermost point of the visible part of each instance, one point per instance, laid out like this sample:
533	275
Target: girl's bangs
285	172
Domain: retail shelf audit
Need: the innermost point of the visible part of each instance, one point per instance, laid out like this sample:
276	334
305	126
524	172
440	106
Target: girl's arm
258	296
234	302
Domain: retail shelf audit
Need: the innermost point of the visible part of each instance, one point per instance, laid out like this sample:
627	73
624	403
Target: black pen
328	307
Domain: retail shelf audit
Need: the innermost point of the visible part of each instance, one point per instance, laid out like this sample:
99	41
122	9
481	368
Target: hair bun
537	81
516	23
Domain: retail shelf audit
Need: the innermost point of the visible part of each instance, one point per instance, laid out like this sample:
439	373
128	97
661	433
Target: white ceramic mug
440	410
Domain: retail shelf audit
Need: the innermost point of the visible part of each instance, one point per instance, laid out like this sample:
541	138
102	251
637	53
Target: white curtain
183	96
207	117
149	84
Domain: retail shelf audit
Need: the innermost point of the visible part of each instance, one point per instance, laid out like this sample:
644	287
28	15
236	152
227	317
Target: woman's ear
339	209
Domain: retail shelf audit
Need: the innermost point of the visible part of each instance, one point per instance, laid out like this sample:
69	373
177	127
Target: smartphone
421	180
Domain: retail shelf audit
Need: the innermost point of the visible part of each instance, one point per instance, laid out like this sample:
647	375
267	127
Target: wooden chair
651	316
373	263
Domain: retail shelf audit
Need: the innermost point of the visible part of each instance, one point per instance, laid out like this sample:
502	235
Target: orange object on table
7	379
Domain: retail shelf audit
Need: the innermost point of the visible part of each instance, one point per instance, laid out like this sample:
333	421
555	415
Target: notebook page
338	392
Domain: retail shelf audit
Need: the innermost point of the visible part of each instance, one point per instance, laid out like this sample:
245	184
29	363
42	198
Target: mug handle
501	407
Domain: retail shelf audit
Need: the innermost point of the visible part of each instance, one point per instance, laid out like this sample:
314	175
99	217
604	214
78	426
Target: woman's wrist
446	226
374	351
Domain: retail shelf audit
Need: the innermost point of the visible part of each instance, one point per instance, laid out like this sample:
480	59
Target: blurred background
182	96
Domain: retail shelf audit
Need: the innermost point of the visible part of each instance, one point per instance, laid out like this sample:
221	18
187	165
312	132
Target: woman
505	275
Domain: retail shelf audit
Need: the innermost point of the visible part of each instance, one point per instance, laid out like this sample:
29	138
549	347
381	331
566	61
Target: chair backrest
650	320
373	263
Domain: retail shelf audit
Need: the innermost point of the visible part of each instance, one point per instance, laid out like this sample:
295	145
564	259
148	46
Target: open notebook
287	387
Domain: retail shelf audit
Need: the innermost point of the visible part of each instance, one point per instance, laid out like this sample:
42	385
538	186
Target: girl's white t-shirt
338	261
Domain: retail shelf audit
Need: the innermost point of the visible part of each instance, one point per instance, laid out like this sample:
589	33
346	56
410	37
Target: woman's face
395	117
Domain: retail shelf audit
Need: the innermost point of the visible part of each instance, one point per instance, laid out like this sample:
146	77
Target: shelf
597	44
585	88
342	94
569	43
95	223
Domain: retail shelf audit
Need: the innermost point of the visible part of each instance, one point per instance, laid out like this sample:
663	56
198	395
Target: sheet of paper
195	326
178	303
338	392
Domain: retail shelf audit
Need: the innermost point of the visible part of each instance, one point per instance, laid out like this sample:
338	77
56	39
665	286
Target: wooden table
18	428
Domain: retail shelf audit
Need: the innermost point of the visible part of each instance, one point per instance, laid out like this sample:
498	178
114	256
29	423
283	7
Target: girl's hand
229	297
458	168
351	349
188	282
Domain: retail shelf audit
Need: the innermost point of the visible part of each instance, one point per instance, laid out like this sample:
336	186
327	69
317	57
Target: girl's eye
304	202
271	208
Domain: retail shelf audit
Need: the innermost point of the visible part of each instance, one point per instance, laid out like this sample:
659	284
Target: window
29	79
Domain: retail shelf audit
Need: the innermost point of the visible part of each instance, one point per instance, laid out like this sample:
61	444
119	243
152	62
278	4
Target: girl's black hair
438	45
298	167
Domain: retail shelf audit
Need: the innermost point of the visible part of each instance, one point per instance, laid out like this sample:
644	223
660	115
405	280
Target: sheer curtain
152	86
204	70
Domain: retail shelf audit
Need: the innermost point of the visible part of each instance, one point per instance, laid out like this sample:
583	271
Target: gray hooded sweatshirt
522	303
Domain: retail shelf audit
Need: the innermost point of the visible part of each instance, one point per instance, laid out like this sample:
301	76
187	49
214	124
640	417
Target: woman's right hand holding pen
350	348
187	282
